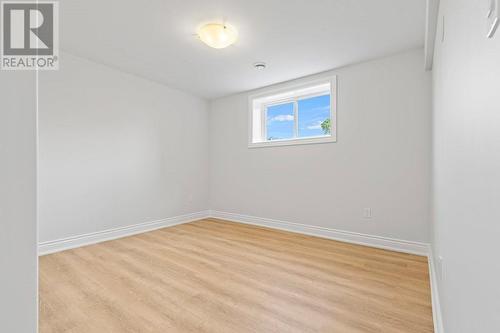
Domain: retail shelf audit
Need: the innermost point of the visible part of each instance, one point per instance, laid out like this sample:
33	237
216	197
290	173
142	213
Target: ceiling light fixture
218	35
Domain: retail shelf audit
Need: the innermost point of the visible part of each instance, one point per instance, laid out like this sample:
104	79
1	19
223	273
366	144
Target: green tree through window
326	126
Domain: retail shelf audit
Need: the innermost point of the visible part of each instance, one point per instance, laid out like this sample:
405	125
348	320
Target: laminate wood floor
218	276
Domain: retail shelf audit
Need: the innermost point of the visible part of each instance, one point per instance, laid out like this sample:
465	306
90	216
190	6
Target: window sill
293	142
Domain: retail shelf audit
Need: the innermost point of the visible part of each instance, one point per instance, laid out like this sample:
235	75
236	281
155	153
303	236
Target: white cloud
316	125
320	108
282	117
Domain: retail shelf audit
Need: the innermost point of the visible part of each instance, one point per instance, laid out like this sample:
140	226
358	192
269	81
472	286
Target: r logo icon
30	35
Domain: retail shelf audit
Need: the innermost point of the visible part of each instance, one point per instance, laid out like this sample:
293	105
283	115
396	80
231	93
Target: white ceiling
155	38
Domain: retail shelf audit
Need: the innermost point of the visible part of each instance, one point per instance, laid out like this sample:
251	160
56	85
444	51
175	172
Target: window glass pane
314	116
280	122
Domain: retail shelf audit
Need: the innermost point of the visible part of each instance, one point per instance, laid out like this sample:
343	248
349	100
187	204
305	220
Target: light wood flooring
218	276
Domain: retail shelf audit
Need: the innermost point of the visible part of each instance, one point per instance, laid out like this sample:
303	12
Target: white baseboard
436	305
340	235
101	236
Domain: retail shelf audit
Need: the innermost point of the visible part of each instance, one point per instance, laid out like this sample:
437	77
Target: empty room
209	166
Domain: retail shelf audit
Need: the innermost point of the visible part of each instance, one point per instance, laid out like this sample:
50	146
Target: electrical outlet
367	213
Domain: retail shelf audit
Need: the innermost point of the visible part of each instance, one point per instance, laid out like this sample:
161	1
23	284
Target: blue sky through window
280	122
311	113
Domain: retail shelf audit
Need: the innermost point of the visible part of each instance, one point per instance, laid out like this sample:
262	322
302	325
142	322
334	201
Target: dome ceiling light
218	35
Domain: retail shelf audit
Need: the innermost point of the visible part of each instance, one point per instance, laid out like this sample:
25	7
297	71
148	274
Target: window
294	115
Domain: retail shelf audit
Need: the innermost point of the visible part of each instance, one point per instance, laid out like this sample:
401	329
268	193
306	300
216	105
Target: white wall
381	159
467	168
116	150
18	256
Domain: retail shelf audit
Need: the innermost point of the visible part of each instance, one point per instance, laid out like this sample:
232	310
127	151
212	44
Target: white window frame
291	93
